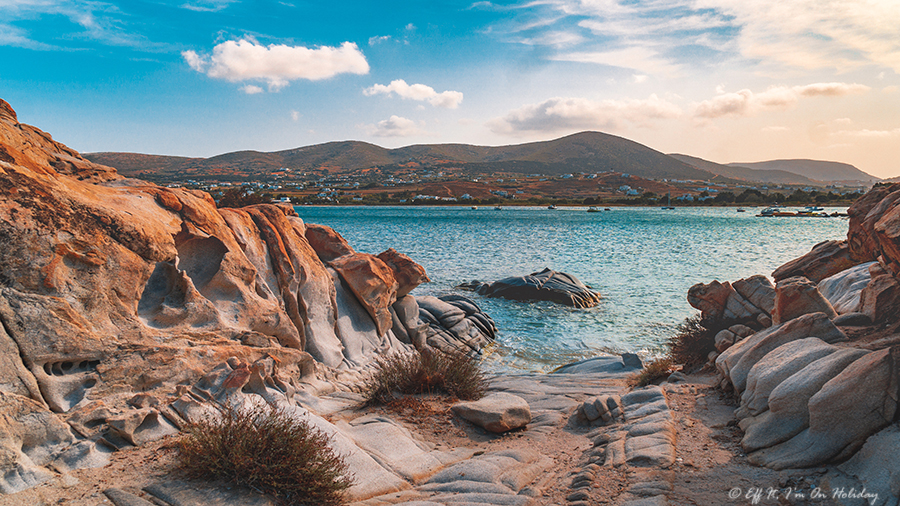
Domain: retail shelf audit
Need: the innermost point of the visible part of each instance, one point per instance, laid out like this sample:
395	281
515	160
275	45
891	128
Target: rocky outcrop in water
546	285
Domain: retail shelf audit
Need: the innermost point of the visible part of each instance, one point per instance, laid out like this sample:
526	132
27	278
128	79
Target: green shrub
693	342
269	450
659	369
427	372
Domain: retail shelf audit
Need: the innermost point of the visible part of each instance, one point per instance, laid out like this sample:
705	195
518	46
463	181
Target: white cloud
295	115
207	5
379	40
560	113
251	89
421	92
642	59
746	102
396	126
277	64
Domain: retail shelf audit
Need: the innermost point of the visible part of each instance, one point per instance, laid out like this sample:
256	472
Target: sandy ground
711	468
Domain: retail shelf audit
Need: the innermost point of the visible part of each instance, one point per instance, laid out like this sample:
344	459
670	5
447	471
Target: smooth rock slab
499	412
546	285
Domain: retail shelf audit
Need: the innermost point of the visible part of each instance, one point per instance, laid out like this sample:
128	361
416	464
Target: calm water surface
642	260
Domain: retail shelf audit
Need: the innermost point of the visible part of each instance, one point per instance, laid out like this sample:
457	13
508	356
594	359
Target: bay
641	259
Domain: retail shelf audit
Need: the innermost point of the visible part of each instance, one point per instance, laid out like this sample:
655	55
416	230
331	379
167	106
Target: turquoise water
642	260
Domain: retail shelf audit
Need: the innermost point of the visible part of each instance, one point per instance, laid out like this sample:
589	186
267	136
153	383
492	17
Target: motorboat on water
593	209
551	206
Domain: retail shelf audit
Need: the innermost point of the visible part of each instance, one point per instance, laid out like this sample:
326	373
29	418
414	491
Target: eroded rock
498	412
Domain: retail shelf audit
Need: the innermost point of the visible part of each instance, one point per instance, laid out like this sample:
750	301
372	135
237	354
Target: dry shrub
266	449
693	342
427	372
657	370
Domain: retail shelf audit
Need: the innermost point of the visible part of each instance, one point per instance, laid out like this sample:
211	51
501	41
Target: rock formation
116	295
546	285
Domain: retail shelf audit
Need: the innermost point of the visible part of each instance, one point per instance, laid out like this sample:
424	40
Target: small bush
267	449
659	369
426	372
693	342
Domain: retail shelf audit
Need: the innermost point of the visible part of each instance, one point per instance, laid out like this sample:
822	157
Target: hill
747	174
813	169
582	152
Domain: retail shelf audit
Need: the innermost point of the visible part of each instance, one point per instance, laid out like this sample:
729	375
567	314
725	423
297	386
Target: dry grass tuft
427	372
657	370
266	449
695	339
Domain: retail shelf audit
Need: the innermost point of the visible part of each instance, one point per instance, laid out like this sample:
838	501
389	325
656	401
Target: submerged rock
454	323
546	285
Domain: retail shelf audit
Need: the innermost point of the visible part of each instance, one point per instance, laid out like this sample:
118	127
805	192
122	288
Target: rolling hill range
583	152
814	169
747	174
589	152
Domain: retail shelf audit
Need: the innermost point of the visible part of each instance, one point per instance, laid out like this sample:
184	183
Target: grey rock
120	497
601	365
497	412
546	285
876	466
843	289
182	493
853	320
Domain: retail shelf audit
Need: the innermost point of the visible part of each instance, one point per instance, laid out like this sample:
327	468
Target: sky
724	80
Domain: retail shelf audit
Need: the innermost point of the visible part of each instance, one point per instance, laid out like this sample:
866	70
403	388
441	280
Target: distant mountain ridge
747	174
814	169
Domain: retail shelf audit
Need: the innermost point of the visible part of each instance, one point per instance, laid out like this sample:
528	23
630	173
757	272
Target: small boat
498	208
773	211
474	208
668	205
594	209
551	206
741	210
606	209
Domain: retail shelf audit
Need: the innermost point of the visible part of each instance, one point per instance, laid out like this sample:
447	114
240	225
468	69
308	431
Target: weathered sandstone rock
727	337
865	214
373	284
777	366
826	259
453	323
843	289
788	410
498	412
735	362
546	285
798	296
880	299
749	301
327	243
408	273
849	408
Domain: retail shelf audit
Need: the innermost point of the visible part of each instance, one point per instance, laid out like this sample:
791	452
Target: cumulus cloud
379	40
207	5
421	92
746	102
251	89
396	126
560	113
277	64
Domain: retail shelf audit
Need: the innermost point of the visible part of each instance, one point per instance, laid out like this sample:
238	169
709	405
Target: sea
642	260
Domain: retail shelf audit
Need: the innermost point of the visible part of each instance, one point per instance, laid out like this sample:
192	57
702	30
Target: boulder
849	408
798	296
327	243
373	283
749	300
408	273
876	466
826	259
454	323
727	337
843	289
546	285
498	412
735	363
880	299
864	214
887	231
788	413
775	367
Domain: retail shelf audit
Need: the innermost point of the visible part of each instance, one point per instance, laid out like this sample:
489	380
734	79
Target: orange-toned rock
864	214
373	283
880	299
710	298
798	296
407	272
327	243
826	259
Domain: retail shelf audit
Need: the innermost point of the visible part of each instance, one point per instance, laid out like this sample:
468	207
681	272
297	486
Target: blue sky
726	80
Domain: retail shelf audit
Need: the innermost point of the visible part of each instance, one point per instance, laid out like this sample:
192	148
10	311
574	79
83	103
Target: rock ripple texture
546	285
